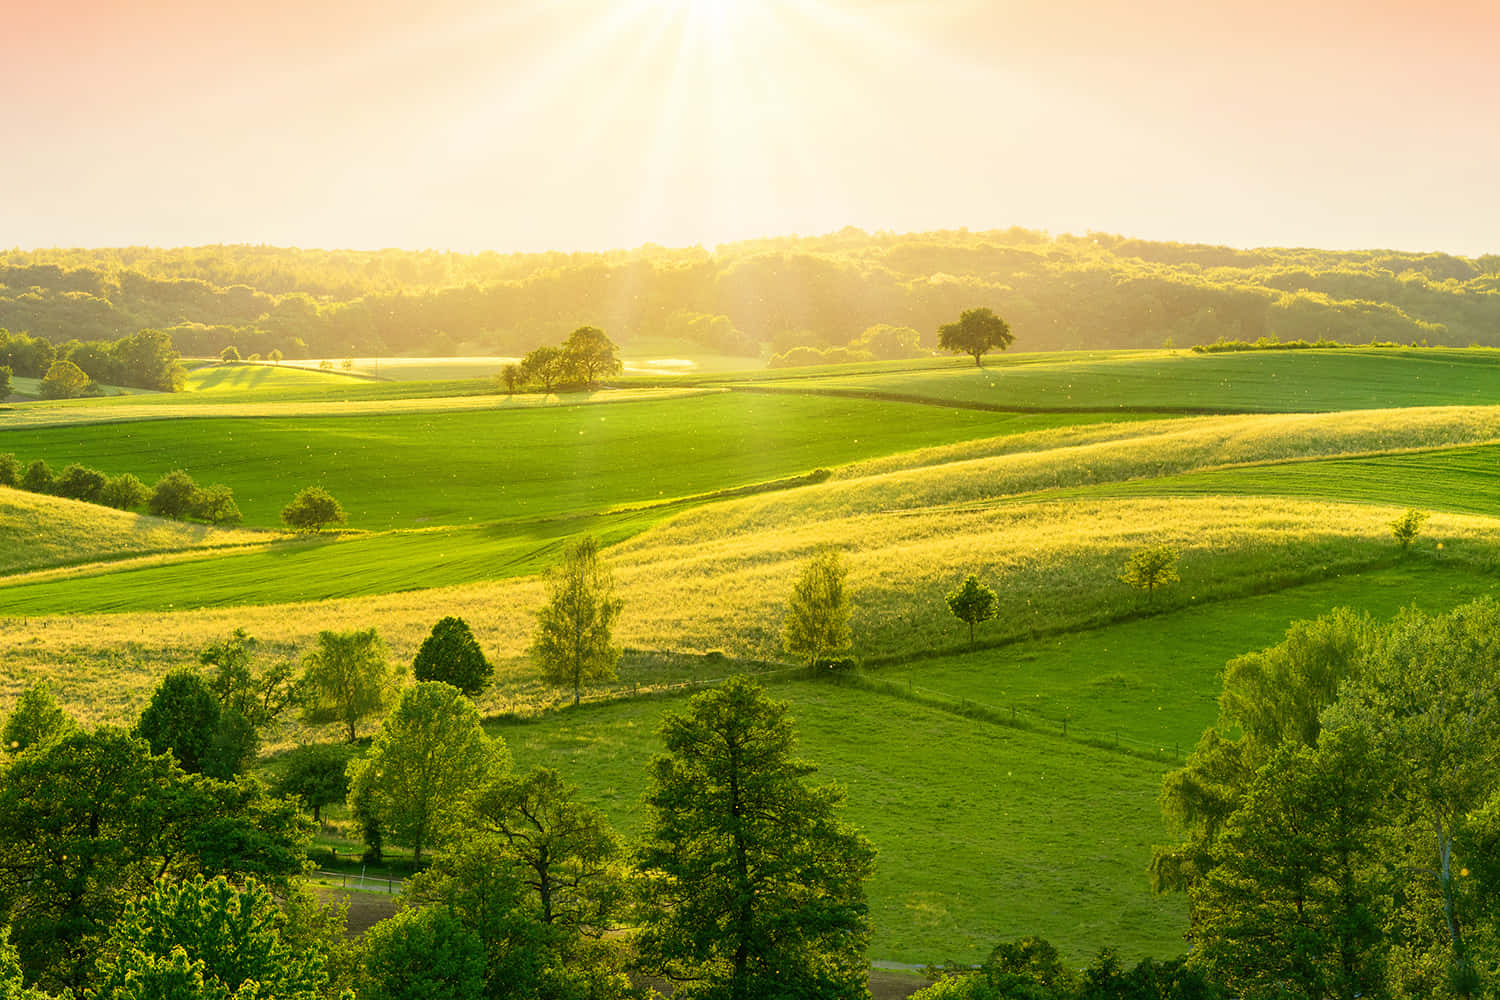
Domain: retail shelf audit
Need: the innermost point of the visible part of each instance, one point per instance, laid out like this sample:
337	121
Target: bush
79	483
311	509
175	495
10	470
37	478
124	492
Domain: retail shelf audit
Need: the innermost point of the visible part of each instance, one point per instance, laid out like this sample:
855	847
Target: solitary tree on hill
311	509
1150	569
817	614
972	603
977	332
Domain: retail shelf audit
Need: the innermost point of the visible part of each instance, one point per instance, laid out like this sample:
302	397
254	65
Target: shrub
79	483
124	492
1405	527
175	495
311	509
10	470
37	478
1150	568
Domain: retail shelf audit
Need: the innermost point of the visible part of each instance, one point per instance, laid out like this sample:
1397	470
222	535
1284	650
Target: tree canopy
977	332
451	654
347	677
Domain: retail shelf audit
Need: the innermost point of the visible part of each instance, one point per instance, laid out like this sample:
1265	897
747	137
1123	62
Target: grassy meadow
993	822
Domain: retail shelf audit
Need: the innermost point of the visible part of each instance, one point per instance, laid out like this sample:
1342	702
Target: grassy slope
984	832
1257	381
406	470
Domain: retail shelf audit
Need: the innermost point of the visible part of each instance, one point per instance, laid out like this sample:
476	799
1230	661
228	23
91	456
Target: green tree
426	761
64	380
1406	527
124	492
259	695
588	355
511	377
5	376
275	356
817	618
451	654
316	774
347	677
182	718
147	360
424	953
544	366
77	482
10	470
311	509
37	478
751	885
572	644
1293	904
35	718
210	935
215	504
567	853
1150	569
175	495
229	355
973	603
977	332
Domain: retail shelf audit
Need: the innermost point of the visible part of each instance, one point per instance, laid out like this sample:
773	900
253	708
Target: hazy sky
587	124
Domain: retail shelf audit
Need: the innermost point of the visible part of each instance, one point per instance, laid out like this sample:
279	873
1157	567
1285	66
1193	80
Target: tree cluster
1095	290
583	359
1341	819
146	359
175	494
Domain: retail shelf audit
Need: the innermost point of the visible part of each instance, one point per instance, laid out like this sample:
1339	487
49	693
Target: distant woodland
753	298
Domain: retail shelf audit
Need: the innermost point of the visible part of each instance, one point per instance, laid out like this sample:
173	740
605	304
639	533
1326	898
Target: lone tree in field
1406	527
753	887
973	603
817	614
572	644
1150	568
229	355
452	655
311	509
345	679
977	332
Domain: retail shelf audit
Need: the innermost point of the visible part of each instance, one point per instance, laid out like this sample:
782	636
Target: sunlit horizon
587	125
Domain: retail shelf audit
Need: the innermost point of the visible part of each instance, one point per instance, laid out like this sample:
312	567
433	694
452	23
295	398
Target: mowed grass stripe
1249	382
984	833
406	470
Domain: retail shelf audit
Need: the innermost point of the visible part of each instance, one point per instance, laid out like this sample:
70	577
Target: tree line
752	298
146	359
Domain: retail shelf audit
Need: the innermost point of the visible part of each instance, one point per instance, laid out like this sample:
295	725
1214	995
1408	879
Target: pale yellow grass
40	530
53	414
1053	564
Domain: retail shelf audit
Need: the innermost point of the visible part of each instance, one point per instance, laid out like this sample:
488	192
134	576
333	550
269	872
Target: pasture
458	499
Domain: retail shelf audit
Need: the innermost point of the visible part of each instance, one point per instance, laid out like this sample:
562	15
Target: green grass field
1250	382
984	832
458	498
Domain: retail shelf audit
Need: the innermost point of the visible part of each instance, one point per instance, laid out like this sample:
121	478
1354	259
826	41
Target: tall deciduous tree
428	758
588	355
977	332
817	616
972	603
347	677
451	654
573	643
752	886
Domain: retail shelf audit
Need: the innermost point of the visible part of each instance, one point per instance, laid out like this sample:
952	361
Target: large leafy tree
35	718
427	759
182	718
451	654
588	355
347	677
977	332
422	953
64	380
311	509
573	642
205	938
817	615
752	886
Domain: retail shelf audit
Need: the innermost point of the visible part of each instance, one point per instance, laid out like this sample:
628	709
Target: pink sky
586	124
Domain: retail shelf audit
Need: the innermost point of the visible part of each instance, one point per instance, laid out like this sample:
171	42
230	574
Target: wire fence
360	882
